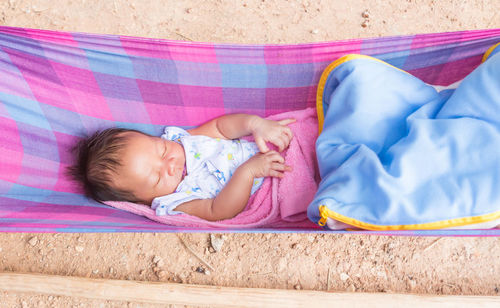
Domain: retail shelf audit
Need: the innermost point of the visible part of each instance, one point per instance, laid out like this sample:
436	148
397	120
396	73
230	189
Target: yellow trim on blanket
489	51
324	78
325	213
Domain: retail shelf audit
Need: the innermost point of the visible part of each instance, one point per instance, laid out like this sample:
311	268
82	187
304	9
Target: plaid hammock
56	87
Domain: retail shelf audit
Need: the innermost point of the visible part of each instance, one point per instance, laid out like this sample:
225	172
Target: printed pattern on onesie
210	163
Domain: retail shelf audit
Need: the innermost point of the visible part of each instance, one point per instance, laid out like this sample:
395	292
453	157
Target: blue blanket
396	154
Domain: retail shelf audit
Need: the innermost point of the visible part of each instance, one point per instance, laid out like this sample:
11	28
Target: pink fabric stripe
11	148
83	93
193	52
63	38
197	116
145	48
38	172
17	85
119	110
44	84
10	165
310	53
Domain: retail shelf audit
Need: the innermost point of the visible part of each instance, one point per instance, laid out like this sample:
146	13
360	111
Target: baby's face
151	166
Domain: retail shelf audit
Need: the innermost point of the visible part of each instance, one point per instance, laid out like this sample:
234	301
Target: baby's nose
170	165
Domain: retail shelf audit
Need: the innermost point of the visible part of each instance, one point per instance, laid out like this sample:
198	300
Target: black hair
97	161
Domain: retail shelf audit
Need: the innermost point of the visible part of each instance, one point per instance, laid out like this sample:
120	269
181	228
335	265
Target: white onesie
210	163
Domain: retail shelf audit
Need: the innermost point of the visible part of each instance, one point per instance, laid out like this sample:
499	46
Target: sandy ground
301	261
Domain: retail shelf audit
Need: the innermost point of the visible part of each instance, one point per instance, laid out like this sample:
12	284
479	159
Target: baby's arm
229	126
234	196
232	126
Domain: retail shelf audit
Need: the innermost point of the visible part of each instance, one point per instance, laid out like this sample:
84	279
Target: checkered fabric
56	87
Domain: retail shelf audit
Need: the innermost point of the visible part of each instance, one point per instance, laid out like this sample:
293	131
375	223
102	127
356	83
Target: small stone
365	24
310	238
207	272
33	241
216	242
189	10
412	283
161	274
157	259
351	288
297	286
211	249
24	304
200	269
111	270
142	272
365	14
79	248
382	274
344	276
96	271
315	31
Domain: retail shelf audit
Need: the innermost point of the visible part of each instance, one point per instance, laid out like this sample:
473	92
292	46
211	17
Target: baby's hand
276	132
266	164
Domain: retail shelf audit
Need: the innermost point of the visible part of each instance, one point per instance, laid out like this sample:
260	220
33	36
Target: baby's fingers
285	140
280	143
261	144
275	157
280	167
288	133
287	121
276	174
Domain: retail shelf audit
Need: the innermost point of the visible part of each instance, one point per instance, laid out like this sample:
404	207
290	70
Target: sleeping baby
204	171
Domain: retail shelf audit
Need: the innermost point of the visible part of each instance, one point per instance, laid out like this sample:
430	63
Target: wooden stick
195	254
432	244
214	296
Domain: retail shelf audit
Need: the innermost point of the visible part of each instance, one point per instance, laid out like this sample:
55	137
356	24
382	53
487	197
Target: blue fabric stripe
244	75
109	63
24	110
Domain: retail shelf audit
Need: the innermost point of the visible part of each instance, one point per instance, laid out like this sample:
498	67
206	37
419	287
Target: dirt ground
288	261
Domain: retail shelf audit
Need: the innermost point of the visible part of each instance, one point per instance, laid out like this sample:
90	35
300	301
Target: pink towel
278	203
